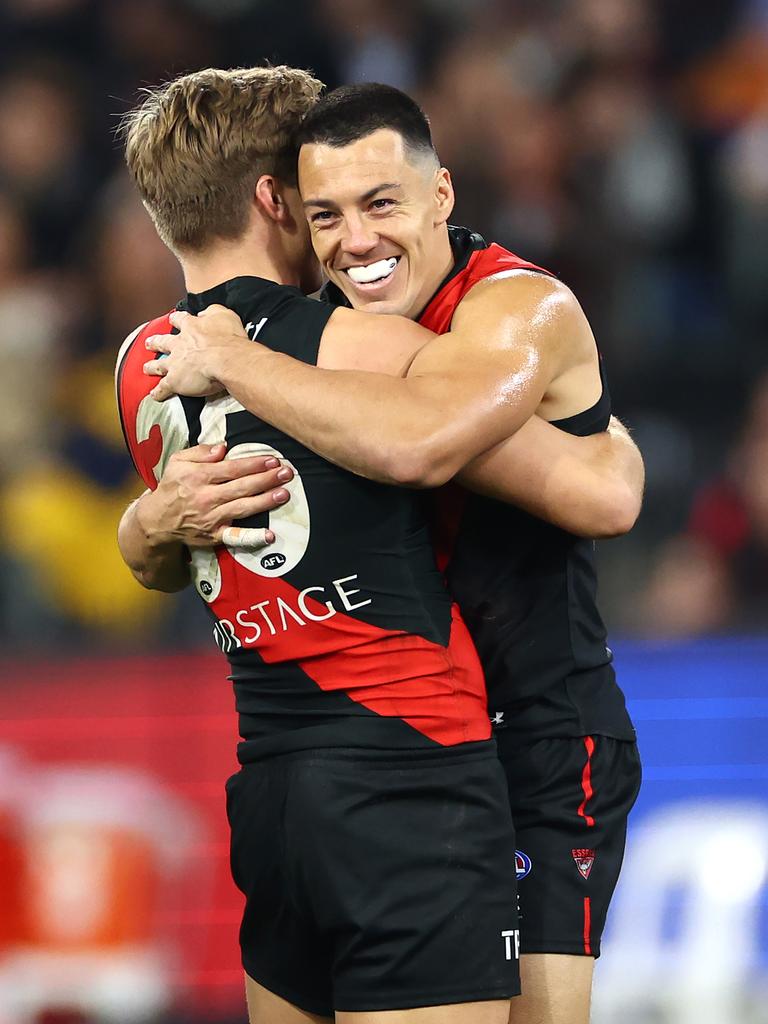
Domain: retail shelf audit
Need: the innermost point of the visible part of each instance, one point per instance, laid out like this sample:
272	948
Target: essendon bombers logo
583	859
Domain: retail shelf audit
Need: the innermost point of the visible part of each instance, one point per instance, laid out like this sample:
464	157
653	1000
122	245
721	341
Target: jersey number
289	522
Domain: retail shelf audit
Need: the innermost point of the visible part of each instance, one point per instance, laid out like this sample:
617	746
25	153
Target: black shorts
570	800
376	880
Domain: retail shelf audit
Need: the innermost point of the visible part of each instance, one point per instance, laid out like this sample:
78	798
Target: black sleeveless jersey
526	589
341	633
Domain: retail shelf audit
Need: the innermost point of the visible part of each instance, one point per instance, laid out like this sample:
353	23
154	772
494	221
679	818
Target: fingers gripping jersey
341	632
527	590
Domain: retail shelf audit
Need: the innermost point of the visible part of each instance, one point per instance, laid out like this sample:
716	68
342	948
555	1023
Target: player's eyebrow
329	204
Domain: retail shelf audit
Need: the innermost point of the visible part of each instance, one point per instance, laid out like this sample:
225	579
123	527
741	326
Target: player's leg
493	1012
557	989
570	800
265	1007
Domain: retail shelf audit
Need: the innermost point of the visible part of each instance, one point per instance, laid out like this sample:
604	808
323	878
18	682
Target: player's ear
269	198
444	196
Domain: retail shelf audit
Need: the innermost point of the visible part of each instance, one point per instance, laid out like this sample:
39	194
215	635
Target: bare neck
223	261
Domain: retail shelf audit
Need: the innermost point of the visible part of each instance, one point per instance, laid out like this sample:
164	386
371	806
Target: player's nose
358	238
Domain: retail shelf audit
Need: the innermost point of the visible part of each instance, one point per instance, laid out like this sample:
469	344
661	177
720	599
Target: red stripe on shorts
587	926
586	782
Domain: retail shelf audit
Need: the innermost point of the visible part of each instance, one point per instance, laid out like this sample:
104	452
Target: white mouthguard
373	272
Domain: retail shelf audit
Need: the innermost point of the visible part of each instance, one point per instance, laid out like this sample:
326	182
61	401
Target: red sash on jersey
450	499
482	263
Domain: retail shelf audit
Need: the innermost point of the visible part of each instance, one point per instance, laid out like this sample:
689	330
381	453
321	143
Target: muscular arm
590	486
465	391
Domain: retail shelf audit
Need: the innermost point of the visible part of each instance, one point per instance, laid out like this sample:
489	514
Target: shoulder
278	301
127	344
131	384
141	418
516	298
133	345
293	323
518	309
520	291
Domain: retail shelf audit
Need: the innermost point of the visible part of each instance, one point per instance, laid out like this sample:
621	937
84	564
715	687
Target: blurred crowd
621	143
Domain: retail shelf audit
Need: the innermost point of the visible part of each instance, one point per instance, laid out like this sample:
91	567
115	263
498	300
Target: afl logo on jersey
274	561
522	864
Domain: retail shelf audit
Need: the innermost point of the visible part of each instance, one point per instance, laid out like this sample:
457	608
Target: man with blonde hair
371	834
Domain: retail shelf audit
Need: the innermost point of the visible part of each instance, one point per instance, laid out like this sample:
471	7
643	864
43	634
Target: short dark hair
352	112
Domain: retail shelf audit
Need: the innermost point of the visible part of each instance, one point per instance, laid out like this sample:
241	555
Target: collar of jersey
230	293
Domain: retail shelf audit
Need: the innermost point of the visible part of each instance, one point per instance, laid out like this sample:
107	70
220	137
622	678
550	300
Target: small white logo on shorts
511	944
497	718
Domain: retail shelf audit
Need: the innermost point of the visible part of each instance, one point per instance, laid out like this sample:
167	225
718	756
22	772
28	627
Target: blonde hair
197	146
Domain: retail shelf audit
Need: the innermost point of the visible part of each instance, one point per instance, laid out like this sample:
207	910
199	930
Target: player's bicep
353	340
488	374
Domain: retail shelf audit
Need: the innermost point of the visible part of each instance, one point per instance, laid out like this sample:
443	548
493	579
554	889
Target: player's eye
322	217
382	204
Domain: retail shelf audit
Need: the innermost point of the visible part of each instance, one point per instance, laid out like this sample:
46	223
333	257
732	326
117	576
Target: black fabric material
301	320
546	787
527	591
373	536
375	883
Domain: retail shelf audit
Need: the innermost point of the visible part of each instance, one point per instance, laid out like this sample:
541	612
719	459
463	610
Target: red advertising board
113	828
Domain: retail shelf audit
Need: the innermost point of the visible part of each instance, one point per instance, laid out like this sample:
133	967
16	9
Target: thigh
570	800
265	1007
492	1012
557	989
408	879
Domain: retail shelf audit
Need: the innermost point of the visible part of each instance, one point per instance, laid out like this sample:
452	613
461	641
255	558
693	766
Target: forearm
391	429
464	391
589	486
157	561
626	469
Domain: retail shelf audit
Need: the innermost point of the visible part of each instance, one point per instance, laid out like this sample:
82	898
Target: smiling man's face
378	214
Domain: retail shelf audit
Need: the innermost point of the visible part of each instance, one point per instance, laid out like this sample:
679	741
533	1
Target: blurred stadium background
622	143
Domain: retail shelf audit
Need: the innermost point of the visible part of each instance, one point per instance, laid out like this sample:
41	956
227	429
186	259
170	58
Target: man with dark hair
515	342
